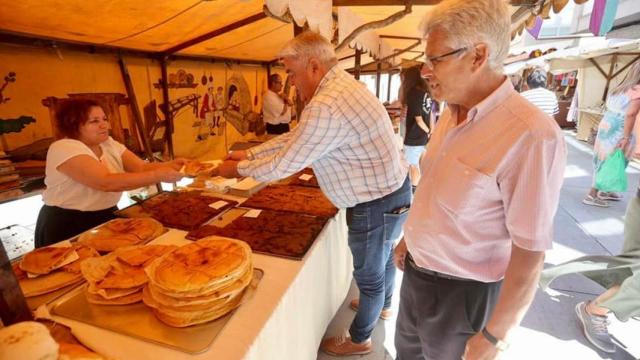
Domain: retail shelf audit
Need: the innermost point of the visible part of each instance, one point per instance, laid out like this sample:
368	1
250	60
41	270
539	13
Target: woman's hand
177	164
168	174
622	144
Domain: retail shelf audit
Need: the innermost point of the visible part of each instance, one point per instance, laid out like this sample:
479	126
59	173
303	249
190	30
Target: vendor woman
87	171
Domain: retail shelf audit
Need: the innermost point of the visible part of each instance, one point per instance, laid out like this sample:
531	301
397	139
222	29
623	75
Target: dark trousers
438	315
373	228
277	129
56	224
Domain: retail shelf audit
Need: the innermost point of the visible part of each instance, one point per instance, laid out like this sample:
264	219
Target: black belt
432	273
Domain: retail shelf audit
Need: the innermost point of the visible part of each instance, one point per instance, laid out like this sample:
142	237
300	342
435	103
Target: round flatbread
45	259
123	300
189	318
205	264
121	232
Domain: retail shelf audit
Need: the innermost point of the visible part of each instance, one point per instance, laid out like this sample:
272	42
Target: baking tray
137	320
138	210
34	302
231	215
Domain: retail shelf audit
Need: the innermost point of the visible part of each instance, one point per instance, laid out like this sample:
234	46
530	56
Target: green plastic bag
611	176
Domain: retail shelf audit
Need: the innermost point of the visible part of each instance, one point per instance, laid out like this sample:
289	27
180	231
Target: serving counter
285	319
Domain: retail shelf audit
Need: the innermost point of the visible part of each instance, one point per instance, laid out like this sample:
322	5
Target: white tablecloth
286	318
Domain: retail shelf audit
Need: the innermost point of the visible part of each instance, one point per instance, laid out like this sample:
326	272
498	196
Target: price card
305	177
253	213
219	204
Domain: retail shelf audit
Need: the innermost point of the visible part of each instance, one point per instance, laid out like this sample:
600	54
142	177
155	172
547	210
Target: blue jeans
373	228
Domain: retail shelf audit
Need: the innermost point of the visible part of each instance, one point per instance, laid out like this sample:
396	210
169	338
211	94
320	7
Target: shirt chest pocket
461	189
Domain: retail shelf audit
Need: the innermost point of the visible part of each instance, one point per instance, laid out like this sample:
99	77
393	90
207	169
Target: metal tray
138	321
232	214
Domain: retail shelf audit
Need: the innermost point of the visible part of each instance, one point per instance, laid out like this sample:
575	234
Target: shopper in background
418	120
615	130
620	275
538	94
276	109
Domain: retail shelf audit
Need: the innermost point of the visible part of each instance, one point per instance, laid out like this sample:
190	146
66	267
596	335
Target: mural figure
218	113
239	106
207	112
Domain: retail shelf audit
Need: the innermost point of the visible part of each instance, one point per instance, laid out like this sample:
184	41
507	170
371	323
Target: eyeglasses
431	61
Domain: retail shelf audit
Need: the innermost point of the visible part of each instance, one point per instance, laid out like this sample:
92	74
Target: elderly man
346	136
483	211
275	107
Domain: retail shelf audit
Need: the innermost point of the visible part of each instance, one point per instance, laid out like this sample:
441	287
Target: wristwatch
499	344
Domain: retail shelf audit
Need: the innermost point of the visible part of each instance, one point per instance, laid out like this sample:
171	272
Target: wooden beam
626	66
168	117
395	53
357	64
397	37
614	59
382	2
598	67
211	34
389	76
378	78
135	110
45	42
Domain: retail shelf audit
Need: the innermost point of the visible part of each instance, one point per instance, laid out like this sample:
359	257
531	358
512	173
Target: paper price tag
218	204
305	177
253	213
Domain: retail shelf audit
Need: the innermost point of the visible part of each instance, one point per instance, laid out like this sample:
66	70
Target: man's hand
228	169
237	155
479	348
400	254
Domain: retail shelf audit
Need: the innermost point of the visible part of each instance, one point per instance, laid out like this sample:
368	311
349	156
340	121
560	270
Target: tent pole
357	64
168	117
378	78
389	75
626	66
142	129
614	58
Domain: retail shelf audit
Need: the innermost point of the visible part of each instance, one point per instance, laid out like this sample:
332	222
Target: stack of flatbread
121	232
118	278
198	282
51	268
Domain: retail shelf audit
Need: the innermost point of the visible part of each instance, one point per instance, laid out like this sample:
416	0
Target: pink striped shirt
492	181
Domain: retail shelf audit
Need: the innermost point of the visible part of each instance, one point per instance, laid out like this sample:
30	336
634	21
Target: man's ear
314	65
480	55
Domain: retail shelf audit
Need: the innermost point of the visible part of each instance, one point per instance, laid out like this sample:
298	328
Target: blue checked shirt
345	135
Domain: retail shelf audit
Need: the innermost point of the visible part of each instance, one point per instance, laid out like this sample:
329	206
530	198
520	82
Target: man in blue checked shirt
346	136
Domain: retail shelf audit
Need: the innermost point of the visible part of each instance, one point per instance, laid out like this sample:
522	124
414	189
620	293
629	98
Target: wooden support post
357	65
378	75
609	76
135	111
389	75
168	117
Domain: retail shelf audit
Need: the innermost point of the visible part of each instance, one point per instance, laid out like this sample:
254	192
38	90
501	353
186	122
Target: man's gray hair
310	45
466	23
